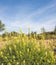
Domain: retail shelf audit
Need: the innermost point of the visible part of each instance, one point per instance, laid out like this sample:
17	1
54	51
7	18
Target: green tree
2	26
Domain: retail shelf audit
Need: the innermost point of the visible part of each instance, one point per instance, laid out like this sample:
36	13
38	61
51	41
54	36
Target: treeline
42	35
45	35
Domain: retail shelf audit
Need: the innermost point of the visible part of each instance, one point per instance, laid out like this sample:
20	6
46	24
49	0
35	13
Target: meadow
27	32
27	50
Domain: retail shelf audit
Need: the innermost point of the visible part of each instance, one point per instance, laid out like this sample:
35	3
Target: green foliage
2	26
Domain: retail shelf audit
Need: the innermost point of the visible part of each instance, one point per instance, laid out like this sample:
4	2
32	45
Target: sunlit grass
24	50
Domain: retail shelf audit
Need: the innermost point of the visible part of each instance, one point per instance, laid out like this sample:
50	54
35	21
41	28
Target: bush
24	51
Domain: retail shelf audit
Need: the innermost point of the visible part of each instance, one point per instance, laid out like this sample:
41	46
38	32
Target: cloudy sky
35	14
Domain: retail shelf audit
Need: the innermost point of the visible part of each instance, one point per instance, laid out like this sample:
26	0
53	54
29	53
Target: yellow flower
28	49
46	53
17	40
17	63
23	40
5	57
38	49
14	46
20	52
13	56
2	64
1	55
1	52
10	48
24	62
48	61
52	54
9	63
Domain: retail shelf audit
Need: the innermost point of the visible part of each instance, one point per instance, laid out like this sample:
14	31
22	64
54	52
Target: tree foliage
2	26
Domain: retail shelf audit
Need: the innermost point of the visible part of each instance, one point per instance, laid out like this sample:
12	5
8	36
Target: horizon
33	14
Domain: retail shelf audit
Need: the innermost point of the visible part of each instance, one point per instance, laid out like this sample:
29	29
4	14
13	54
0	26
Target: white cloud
23	20
40	11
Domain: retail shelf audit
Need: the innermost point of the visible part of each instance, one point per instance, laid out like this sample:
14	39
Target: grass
24	50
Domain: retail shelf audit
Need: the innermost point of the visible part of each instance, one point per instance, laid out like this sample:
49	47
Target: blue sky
16	14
